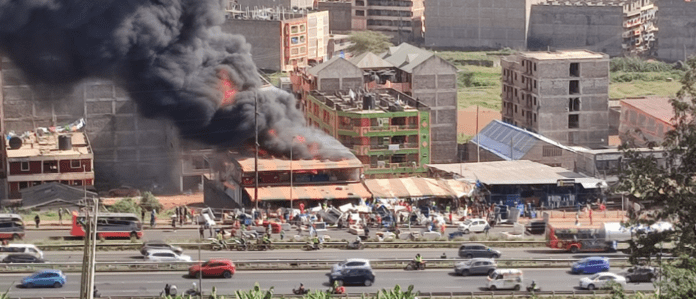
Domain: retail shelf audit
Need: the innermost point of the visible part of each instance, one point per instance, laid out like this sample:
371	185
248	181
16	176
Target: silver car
476	266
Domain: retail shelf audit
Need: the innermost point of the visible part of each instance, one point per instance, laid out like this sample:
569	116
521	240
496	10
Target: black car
641	274
473	250
353	276
22	258
159	245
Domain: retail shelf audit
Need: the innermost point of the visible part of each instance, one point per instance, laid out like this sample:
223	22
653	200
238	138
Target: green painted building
387	130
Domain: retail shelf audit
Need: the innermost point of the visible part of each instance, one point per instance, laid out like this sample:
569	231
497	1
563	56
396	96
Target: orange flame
227	88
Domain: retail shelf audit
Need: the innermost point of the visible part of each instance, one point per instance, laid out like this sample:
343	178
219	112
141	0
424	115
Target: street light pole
94	249
291	179
256	145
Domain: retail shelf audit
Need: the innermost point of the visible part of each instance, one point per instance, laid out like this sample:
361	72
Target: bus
110	225
574	238
11	227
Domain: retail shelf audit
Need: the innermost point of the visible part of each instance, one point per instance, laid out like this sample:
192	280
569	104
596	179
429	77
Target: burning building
283	182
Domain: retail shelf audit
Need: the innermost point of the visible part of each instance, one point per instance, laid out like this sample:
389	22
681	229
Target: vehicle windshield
468	221
493	275
593	277
343	263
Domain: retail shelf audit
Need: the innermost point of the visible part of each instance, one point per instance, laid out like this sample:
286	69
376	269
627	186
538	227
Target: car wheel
492	288
368	283
465	273
469	256
466	231
517	287
495	256
628	279
16	237
57	285
574	249
491	271
133	236
227	274
591	287
339	282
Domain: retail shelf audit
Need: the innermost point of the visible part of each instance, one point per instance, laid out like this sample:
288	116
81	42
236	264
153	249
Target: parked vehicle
22	248
165	255
311	246
355	245
22	258
475	266
641	274
11	227
216	267
351	264
536	227
505	279
472	250
45	278
475	225
590	265
157	244
124	191
353	277
601	280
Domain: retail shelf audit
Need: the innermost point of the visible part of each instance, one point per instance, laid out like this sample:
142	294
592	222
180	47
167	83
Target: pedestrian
212	231
142	214
590	214
367	231
167	290
152	218
37	219
201	230
486	229
442	229
183	215
282	234
174	221
577	218
60	216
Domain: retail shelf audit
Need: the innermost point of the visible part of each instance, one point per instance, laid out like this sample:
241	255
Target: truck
574	238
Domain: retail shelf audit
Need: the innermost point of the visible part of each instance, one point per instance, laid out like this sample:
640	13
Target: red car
275	226
224	268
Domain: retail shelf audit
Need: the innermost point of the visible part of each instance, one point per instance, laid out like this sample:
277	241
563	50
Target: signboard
565	182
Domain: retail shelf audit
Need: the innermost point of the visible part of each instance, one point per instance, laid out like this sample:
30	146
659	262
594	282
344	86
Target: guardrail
295	245
450	295
292	264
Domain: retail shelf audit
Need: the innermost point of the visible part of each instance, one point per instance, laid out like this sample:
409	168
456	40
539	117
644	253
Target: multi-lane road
126	284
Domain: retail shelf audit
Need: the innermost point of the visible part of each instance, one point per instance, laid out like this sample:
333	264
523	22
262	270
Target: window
302	28
574	87
360	13
575	69
535	84
75	164
293	29
515	108
574	104
535	66
551	151
535	101
50	166
573	121
25	166
534	117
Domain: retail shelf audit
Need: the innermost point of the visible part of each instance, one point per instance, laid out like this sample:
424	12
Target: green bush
125	205
149	202
255	293
636	64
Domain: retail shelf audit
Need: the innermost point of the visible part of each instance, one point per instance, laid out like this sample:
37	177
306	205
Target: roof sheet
317	68
281	164
47	145
406	57
563	54
313	192
498	138
515	173
369	60
406	188
658	107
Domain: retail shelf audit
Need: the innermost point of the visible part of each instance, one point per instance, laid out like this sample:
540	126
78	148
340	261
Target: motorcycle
219	245
241	244
263	246
355	245
413	266
312	246
172	291
300	292
533	288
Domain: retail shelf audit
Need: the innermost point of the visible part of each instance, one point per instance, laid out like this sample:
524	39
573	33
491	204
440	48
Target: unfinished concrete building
562	95
477	24
288	4
677	24
340	15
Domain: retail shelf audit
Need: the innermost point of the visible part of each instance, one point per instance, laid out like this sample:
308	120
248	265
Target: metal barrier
292	264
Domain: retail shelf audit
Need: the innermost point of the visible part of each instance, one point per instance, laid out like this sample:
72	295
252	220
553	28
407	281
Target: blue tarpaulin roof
498	138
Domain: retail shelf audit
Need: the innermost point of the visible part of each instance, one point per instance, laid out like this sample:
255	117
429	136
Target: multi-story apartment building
561	95
640	30
387	130
282	40
42	157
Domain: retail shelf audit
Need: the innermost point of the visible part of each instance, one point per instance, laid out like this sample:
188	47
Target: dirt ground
168	201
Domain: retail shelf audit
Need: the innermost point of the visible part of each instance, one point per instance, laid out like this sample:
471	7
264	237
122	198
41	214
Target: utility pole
256	145
90	250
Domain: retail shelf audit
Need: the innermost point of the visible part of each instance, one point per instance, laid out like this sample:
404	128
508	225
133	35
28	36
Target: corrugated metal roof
313	192
457	188
516	173
658	107
506	141
406	188
278	164
406	57
317	68
369	60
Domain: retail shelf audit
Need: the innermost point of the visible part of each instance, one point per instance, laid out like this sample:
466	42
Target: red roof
658	107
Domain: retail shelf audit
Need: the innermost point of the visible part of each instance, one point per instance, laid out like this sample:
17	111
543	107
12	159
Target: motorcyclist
418	260
301	289
534	285
266	239
315	242
357	241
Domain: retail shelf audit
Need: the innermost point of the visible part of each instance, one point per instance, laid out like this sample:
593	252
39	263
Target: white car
163	255
475	225
351	264
600	280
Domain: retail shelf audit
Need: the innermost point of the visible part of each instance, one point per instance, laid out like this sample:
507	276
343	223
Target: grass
643	88
477	85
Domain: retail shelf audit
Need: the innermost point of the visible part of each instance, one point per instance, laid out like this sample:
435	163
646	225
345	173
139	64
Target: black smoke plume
169	56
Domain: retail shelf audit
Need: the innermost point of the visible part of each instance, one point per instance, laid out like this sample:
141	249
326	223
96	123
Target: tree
125	205
150	202
368	41
668	191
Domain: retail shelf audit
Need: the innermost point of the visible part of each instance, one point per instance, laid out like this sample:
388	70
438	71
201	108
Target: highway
127	284
324	254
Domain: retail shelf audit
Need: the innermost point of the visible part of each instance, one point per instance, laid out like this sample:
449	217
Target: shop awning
406	188
313	192
458	188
